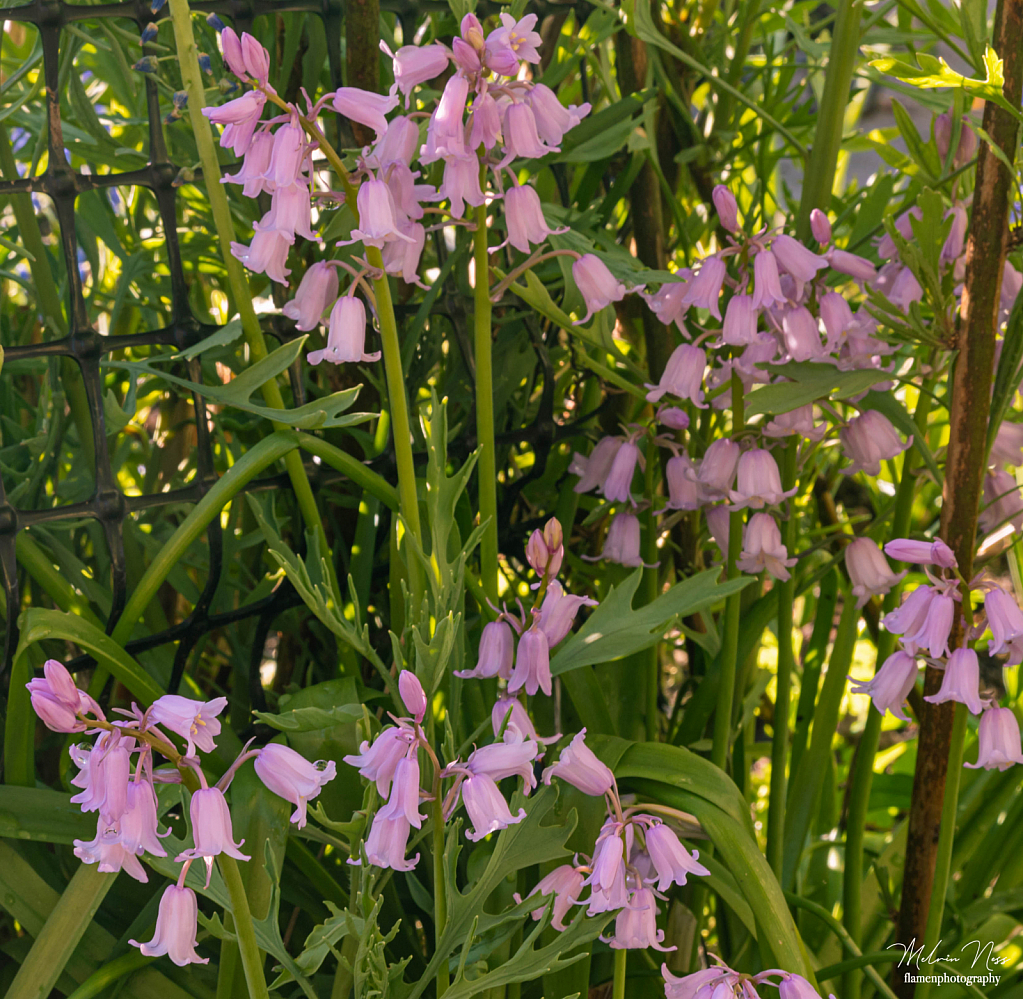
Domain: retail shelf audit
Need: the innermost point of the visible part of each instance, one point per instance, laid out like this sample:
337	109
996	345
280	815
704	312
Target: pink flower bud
999	739
891	684
472	31
672	416
579	766
727	209
961	681
58	702
820	227
256	58
176	925
922	552
849	263
412	694
292	777
467	59
231	47
416	64
869	570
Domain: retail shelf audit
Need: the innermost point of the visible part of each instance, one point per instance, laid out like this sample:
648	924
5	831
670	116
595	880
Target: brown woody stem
964	471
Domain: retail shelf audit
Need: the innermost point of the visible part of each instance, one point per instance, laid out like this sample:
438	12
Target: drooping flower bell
532	663
762	548
622	544
998	736
636	925
869	570
607	879
594	469
868	440
365	107
239	118
683	492
104	779
486	807
596	284
176	926
759	481
139	823
891	684
618	484
717	469
524	218
766	281
796	421
346	335
108	853
682	377
565	883
558	611
378	761
496	653
740	325
405	793
211	829
800	334
579	766
416	64
377	223
1004	618
267	253
672	862
553	119
960	681
922	552
316	293
704	289
292	777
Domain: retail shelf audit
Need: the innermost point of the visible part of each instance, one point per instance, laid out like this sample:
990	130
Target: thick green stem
827	141
111	972
946	837
440	902
727	659
248	949
786	664
487	470
619	982
191	76
806	782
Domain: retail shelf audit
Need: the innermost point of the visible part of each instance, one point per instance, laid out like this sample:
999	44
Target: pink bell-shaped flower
485	130
378	761
762	548
292	777
579	766
505	759
176	926
717	469
618	484
607	877
596	284
594	469
365	107
108	853
416	64
1004	618
195	721
317	291
404	799
105	779
211	829
532	664
800	334
636	924
346	335
704	289
683	492
377	222
558	611
671	861
682	377
445	133
240	118
961	681
254	171
796	421
565	883
622	544
796	259
891	684
524	218
740	325
267	253
486	807
553	119
759	481
868	440
496	654
766	281
998	735
461	184
869	570
139	822
387	842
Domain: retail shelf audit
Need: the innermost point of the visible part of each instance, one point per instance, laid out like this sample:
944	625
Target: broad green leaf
39	813
615	629
321	413
38	623
809	382
312	718
221	338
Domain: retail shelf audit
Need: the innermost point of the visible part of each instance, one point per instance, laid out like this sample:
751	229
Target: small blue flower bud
214	22
149	32
147	64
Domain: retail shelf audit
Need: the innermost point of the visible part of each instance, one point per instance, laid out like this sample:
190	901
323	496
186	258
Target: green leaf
809	382
221	338
615	629
38	623
312	718
39	813
322	413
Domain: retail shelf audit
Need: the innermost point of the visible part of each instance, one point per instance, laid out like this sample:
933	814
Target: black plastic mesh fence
87	347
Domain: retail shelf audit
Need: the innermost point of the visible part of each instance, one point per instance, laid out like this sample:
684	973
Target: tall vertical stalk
819	176
440	903
245	933
618	989
786	664
483	347
191	76
932	800
727	665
